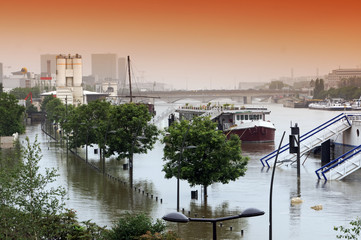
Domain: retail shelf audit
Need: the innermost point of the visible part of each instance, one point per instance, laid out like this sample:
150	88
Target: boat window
245	117
237	117
358	132
242	117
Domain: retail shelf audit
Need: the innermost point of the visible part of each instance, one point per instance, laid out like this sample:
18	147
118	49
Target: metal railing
336	162
307	135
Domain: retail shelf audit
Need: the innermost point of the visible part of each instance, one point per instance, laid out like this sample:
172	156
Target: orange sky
188	43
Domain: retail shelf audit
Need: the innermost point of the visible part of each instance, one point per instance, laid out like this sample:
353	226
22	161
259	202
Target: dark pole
214	230
130	81
271	189
86	146
296	132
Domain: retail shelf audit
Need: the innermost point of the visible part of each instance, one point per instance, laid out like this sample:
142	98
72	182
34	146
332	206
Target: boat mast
130	81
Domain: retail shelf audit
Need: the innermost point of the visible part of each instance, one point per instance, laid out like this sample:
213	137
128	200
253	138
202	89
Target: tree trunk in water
205	192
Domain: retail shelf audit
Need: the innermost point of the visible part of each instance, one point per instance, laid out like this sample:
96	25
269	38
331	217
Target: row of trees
349	89
319	87
125	130
22	93
122	130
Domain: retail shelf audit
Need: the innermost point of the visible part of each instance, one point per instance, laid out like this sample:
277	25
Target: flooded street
103	199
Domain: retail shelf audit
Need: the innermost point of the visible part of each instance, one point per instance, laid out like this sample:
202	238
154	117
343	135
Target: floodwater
103	199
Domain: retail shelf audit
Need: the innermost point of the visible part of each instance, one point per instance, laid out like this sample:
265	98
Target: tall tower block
69	79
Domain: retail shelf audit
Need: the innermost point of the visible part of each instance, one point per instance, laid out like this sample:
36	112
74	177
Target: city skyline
188	44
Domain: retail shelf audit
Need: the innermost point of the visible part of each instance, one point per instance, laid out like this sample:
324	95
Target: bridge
242	96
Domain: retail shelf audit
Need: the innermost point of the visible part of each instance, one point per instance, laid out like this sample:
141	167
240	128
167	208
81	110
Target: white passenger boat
249	123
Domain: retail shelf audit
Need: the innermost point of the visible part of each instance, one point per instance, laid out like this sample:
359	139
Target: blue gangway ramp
342	166
310	140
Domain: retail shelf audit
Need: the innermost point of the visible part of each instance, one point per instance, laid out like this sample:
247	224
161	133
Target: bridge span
241	96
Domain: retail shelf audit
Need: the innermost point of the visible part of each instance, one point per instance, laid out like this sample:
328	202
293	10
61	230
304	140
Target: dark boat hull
255	134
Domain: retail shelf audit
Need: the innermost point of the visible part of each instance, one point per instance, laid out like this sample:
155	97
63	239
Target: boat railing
221	108
212	113
334	163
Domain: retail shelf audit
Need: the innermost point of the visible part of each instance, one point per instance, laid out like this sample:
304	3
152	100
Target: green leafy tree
276	85
215	159
55	110
30	108
351	82
45	102
11	115
131	131
25	193
21	93
318	92
30	209
133	226
350	233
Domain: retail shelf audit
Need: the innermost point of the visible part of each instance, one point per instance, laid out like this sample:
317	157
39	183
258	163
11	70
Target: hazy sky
188	43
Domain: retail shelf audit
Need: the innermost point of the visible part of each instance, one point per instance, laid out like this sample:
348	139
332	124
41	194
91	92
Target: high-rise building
47	65
1	73
334	78
104	66
69	77
122	71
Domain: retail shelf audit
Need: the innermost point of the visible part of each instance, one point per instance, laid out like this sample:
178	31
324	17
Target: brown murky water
103	199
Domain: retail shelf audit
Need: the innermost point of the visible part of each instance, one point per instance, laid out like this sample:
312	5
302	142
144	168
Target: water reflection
257	149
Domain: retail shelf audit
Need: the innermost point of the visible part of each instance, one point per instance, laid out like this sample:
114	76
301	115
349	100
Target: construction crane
31	97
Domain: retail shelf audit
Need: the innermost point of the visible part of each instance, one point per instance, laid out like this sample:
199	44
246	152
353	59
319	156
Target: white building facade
334	78
69	79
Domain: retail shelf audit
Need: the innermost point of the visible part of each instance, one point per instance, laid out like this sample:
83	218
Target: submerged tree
11	115
212	159
130	131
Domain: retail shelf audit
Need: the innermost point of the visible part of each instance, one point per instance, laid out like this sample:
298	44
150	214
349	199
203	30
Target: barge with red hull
249	123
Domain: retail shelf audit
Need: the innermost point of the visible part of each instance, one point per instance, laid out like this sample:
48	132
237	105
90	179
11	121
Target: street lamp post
181	218
271	190
178	175
180	160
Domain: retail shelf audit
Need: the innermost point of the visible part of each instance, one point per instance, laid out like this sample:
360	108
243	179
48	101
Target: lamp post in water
181	218
179	168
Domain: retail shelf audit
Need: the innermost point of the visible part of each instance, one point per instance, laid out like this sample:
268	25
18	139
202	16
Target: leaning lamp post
181	218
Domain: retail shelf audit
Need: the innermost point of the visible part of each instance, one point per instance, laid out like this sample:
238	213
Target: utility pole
295	148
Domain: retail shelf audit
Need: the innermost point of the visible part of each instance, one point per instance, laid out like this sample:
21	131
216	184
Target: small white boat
356	104
333	104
